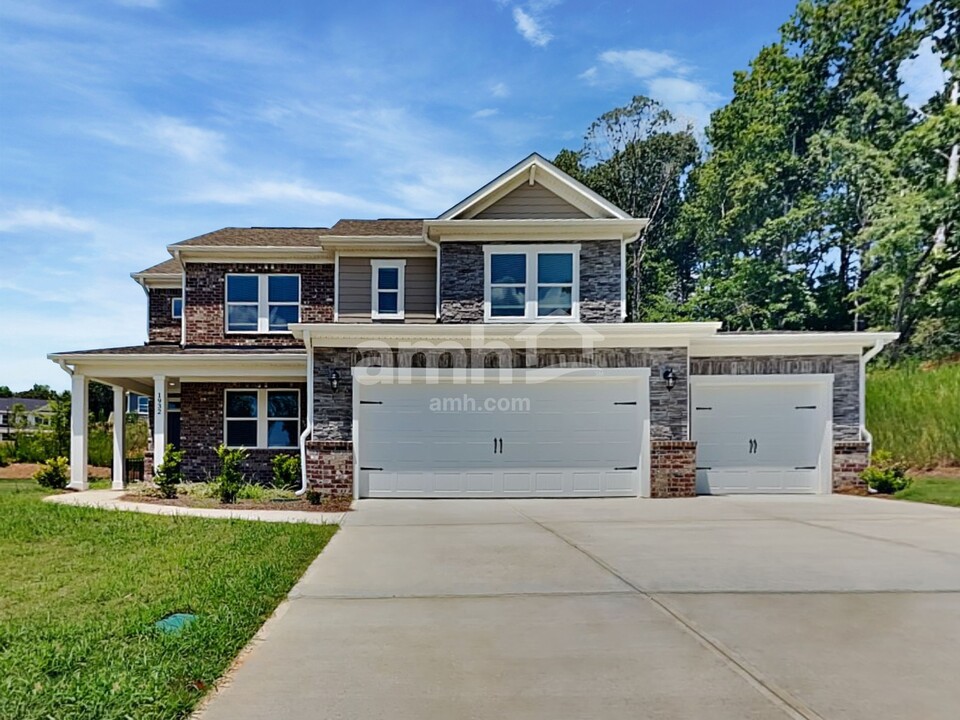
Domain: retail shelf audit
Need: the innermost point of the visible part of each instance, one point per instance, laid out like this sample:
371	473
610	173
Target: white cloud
644	63
43	219
590	74
672	90
485	113
192	143
153	4
922	76
499	90
530	28
286	191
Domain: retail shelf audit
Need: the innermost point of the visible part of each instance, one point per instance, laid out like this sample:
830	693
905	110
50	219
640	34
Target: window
176	308
138	404
386	297
262	418
262	303
531	282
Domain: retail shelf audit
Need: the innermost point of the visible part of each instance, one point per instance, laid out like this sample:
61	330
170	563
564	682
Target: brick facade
462	281
201	431
330	467
204	302
849	460
162	326
673	468
846	380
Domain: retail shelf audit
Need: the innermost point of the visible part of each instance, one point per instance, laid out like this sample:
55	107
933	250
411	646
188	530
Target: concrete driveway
759	607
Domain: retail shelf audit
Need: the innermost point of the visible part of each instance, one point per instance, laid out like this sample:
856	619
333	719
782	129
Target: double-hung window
386	289
262	303
262	418
531	283
176	308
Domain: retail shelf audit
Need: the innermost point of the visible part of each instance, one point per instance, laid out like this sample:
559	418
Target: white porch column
119	445
78	433
159	419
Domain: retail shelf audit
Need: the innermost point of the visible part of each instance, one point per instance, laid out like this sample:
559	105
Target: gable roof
167	267
303	236
30	404
536	168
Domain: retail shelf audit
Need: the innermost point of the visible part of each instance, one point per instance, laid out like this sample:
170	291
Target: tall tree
638	156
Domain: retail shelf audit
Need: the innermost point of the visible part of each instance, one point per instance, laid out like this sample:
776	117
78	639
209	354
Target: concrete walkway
110	500
726	608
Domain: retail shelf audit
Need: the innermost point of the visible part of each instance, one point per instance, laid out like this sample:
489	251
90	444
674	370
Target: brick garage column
330	467
850	458
673	468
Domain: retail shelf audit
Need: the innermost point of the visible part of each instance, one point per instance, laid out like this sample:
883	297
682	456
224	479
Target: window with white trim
262	303
386	289
529	283
176	308
261	418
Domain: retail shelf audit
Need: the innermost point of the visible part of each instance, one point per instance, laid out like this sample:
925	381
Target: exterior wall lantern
334	379
670	377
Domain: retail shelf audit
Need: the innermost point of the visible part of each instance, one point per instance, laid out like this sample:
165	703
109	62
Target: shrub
230	479
259	493
54	473
886	474
168	476
7	454
314	497
286	471
199	490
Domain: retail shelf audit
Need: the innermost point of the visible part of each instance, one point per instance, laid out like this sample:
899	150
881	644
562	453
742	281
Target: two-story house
481	353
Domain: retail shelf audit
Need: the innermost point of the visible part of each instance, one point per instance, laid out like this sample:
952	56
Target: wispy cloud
286	191
500	90
531	28
643	63
190	142
43	219
151	4
485	113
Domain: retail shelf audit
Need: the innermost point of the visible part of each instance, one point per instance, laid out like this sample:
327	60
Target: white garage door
761	434
575	435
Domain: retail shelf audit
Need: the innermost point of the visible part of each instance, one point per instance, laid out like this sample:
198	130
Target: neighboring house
37	412
481	353
138	404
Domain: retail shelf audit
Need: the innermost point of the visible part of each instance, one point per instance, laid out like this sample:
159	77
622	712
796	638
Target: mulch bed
332	505
24	471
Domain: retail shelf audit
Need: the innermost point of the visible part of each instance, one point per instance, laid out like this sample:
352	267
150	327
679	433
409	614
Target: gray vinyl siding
355	284
530	201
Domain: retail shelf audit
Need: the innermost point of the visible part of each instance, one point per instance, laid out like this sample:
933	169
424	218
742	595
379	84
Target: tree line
820	199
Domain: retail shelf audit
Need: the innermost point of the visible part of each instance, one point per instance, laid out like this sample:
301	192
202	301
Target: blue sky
127	125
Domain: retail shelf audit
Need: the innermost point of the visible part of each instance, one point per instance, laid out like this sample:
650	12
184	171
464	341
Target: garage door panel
563	439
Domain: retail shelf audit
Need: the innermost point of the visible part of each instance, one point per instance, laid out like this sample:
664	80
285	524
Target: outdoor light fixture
670	377
334	378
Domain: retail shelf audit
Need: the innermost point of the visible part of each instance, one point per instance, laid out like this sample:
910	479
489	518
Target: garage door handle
632	402
371	402
498	446
804	407
630	467
363	467
704	467
501	446
806	467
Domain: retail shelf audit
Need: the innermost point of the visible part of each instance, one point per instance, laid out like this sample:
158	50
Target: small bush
168	475
886	474
199	490
54	473
286	471
7	454
259	493
230	479
314	497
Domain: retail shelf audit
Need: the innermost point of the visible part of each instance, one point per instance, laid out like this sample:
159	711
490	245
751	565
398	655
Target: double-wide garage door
762	434
574	433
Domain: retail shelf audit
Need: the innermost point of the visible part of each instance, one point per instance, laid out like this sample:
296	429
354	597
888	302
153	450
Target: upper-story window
387	289
531	283
176	308
262	303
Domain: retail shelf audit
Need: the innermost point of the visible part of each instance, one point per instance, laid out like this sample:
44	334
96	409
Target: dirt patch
944	471
333	505
25	471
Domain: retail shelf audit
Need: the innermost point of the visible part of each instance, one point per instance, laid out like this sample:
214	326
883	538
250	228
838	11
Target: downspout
623	273
436	301
309	429
63	366
864	359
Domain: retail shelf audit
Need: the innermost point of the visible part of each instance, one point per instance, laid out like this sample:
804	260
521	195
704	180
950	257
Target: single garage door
762	434
572	435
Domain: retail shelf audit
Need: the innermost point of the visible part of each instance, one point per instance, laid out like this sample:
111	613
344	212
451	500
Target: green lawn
80	589
941	491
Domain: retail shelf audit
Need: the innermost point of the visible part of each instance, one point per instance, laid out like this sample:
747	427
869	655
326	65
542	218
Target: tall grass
915	413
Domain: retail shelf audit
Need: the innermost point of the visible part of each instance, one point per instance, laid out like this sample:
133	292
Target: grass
80	589
915	413
937	490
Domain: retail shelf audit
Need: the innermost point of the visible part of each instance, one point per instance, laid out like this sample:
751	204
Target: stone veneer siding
846	380
333	412
673	468
204	302
201	430
162	326
850	458
461	281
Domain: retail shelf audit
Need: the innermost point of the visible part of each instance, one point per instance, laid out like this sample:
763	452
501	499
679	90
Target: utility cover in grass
174	623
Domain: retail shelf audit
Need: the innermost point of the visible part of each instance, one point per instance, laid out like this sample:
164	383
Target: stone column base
850	458
147	466
673	468
330	467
